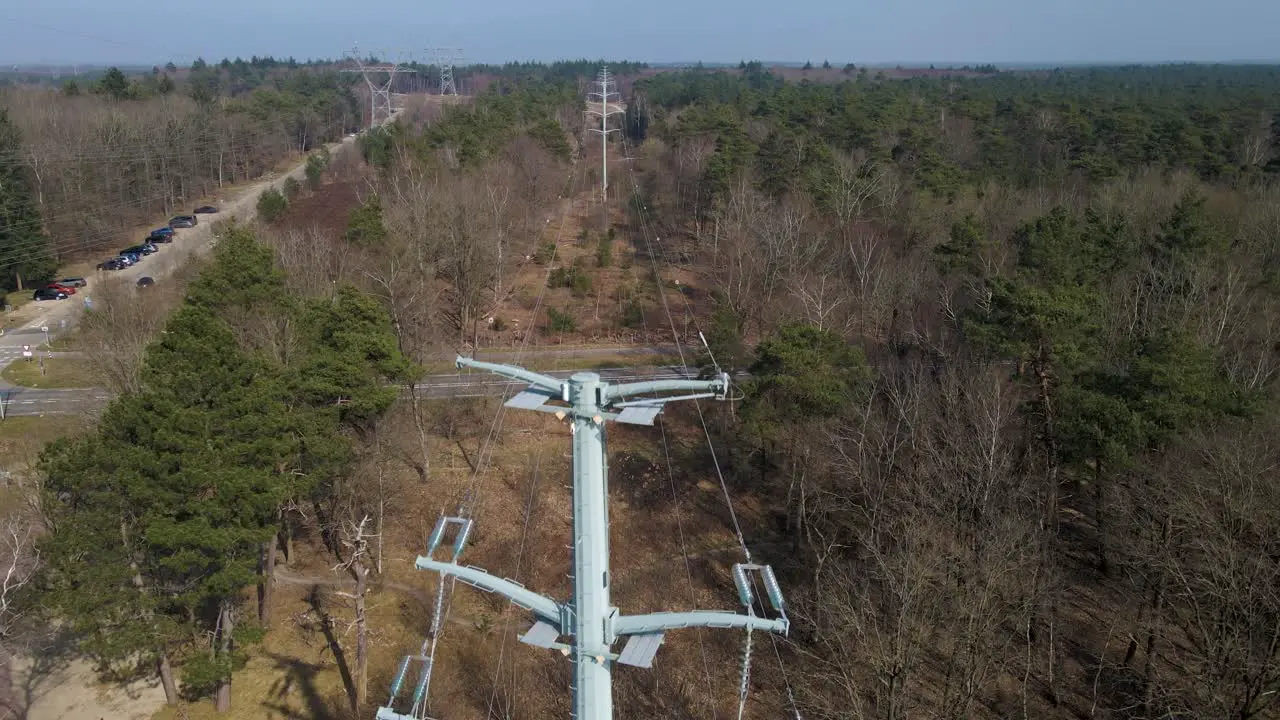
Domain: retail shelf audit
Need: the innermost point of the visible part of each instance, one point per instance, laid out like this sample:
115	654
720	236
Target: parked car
131	258
158	238
111	264
141	249
146	282
77	282
61	288
48	294
164	232
205	210
183	221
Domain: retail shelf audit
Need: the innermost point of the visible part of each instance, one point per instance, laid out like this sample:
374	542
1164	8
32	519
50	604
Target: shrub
632	314
271	205
376	147
291	188
545	252
604	251
364	224
316	164
578	282
560	321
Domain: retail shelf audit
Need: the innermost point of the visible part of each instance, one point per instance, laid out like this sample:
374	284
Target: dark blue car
164	232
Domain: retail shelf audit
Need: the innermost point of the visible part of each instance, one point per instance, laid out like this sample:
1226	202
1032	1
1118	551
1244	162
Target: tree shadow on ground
317	599
302	676
50	654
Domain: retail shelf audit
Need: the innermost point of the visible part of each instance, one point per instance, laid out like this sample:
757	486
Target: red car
61	288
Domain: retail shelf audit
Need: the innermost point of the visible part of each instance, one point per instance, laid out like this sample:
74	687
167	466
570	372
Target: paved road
13	340
74	401
32	401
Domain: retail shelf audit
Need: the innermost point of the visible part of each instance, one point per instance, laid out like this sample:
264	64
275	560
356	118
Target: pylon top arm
660	622
545	608
516	373
719	386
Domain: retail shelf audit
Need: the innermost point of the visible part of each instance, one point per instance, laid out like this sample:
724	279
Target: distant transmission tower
588	623
445	59
381	105
607	99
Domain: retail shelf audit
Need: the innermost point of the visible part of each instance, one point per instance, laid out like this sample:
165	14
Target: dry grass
71	341
294	673
57	372
23	436
521	502
16	299
599	314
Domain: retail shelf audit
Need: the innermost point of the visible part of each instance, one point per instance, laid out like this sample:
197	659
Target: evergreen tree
173	499
26	257
803	373
364	224
114	84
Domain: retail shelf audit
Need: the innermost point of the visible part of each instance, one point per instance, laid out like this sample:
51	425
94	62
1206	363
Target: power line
684	554
380	92
524	536
97	38
645	227
420	700
445	59
589	622
606	97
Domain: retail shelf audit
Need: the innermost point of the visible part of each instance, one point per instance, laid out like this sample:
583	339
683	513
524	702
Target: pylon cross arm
616	392
517	373
660	622
545	608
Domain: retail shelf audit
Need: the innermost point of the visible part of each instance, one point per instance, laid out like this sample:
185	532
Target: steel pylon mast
607	100
444	59
380	92
585	628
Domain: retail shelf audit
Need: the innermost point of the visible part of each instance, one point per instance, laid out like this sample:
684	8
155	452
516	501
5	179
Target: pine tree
114	84
162	518
25	254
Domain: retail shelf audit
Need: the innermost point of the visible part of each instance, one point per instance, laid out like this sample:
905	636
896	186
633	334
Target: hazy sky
153	31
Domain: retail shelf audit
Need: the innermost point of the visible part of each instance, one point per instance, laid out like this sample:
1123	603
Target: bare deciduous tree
356	539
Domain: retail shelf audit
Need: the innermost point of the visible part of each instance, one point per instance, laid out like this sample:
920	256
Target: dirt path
288	578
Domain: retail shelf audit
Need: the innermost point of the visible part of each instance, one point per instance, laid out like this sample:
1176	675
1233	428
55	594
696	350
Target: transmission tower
381	105
607	99
589	624
445	59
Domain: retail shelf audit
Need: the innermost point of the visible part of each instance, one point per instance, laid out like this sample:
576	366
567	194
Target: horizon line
7	67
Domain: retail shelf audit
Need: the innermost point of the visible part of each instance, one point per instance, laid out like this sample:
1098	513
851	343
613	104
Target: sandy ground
68	689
